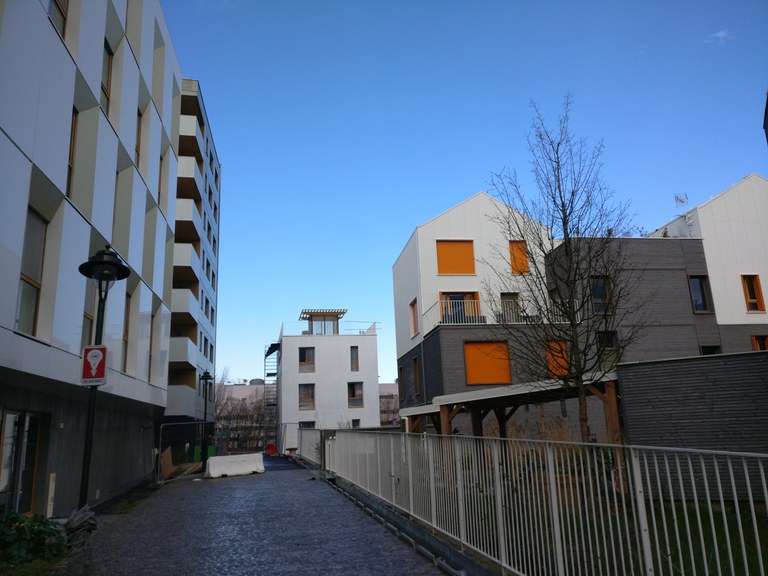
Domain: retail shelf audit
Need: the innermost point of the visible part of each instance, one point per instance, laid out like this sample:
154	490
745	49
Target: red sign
94	365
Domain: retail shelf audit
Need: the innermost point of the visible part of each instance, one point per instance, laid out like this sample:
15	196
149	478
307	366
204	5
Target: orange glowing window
518	256
455	257
487	362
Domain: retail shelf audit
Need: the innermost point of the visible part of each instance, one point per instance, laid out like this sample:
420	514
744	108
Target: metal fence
179	449
535	507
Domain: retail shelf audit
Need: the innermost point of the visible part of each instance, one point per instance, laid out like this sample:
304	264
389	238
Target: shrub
24	539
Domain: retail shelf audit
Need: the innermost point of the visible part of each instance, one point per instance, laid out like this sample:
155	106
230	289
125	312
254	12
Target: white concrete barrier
236	465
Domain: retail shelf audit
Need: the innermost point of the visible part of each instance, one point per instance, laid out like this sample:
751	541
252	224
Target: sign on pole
94	365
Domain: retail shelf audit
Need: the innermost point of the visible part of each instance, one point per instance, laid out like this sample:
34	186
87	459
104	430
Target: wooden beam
447	414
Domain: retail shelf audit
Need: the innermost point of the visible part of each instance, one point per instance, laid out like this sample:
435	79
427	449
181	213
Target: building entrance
19	435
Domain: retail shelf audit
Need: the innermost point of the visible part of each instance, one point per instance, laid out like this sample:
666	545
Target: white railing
541	508
311	445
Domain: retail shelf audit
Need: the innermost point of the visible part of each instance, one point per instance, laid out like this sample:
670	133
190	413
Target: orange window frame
455	256
414	317
487	363
518	257
753	293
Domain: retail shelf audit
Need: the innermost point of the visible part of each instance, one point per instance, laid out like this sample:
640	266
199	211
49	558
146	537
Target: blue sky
342	125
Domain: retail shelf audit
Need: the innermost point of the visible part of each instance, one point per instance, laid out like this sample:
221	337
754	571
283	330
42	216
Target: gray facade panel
712	402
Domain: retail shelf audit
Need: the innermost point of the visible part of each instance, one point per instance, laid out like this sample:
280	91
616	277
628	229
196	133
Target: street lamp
104	268
205	378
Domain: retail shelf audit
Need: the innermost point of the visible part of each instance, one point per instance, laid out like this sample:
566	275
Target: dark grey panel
711	402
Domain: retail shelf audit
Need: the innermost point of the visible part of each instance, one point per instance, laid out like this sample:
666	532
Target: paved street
280	522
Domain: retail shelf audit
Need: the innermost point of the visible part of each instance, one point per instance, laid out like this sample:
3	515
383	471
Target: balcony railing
470	312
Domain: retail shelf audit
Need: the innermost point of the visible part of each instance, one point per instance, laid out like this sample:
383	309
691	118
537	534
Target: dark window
306	359
700	294
710	350
599	294
760	342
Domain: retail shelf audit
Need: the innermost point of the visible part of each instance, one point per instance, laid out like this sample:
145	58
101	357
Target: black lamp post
205	378
104	268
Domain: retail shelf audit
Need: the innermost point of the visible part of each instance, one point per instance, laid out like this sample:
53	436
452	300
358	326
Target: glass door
20	433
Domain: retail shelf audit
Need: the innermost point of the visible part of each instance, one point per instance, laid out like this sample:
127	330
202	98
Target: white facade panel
53	116
105	167
14	185
25	27
405	274
69	300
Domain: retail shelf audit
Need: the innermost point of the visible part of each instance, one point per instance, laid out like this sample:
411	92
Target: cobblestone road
280	522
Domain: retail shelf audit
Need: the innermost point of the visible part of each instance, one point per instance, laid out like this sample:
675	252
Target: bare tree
564	306
240	421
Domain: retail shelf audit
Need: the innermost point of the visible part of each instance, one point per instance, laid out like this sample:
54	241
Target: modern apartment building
90	99
698	279
325	379
195	265
733	227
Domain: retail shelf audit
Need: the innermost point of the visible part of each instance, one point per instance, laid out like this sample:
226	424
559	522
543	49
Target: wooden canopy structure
503	402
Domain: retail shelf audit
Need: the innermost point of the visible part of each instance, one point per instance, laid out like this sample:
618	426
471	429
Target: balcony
186	263
191	141
183	352
184	306
189	223
190	182
469	312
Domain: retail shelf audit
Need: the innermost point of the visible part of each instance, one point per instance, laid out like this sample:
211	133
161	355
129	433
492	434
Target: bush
25	539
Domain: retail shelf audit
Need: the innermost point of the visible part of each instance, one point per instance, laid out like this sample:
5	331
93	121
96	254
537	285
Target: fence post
432	497
409	464
642	517
460	490
555	508
500	520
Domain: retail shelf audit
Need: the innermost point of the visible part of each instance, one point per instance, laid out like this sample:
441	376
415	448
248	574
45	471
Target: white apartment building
733	227
195	264
90	96
325	379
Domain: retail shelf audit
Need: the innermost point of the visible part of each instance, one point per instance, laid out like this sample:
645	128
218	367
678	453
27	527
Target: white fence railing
541	508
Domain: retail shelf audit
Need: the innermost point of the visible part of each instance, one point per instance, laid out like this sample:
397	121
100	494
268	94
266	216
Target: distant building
389	404
195	264
325	379
90	94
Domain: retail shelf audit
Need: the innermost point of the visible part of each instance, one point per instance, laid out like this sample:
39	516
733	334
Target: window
306	396
106	77
86	336
57	12
753	294
126	332
31	273
354	358
599	294
416	376
518	256
701	297
557	359
487	363
710	350
400	382
137	155
510	308
355	394
356	423
414	318
151	340
760	342
306	359
307	425
455	257
460	308
72	143
608	349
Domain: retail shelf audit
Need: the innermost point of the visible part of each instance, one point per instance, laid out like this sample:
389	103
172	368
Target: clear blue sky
342	125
